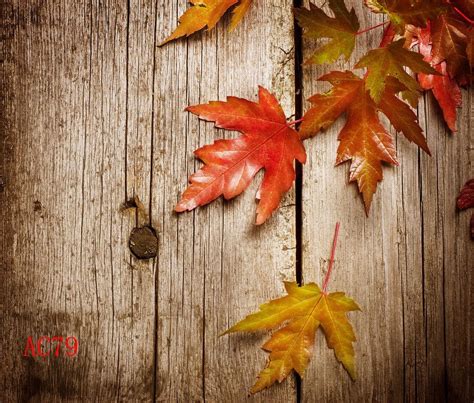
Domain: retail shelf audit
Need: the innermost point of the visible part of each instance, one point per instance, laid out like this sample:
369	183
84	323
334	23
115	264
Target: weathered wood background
92	115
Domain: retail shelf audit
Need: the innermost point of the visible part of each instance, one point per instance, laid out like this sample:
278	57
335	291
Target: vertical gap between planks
126	100
127	63
298	48
422	240
299	167
156	260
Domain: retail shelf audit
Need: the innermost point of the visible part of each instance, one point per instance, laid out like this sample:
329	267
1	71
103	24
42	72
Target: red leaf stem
331	260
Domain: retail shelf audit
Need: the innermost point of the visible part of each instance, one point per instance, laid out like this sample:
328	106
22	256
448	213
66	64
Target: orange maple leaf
239	13
207	13
301	312
230	165
363	139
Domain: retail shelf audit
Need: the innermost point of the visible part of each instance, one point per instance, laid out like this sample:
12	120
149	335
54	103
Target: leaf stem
371	28
331	260
294	122
471	22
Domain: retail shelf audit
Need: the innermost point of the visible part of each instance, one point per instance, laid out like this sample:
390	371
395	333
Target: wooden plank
139	368
65	262
448	254
215	266
94	117
404	264
366	263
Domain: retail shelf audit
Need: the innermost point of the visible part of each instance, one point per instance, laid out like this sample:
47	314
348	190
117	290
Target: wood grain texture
211	269
448	254
408	264
66	266
91	115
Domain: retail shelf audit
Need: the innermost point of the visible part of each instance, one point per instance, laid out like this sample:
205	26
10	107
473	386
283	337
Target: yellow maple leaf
301	312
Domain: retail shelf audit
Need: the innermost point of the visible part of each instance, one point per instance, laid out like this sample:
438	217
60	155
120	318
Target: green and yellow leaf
340	29
390	61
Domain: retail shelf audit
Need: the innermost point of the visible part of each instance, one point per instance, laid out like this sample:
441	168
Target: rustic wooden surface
92	115
409	264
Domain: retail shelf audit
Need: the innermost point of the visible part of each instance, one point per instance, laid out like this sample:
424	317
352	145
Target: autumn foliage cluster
425	45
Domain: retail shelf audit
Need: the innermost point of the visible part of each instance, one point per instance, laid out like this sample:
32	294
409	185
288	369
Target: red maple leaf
466	200
445	89
230	165
466	197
